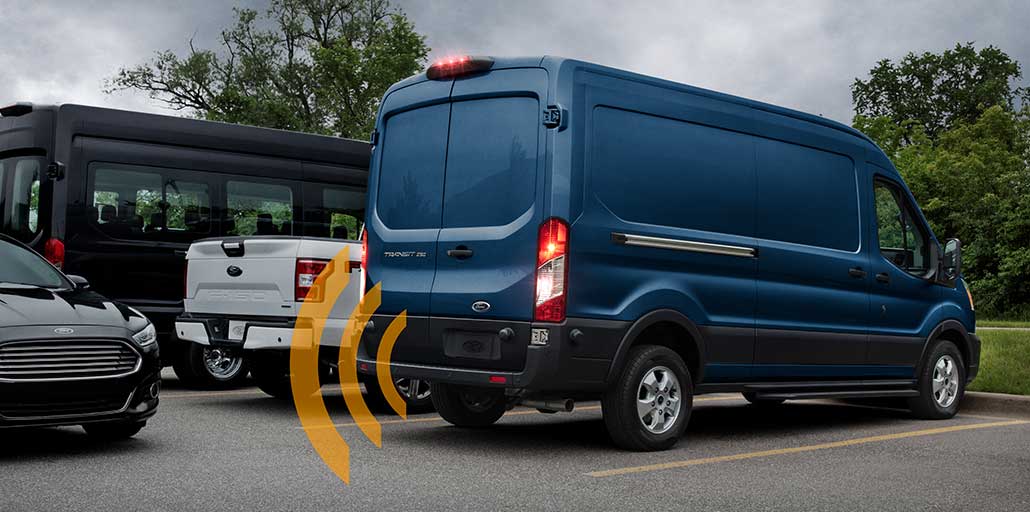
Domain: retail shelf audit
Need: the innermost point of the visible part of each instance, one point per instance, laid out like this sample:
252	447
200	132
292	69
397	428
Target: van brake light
53	251
450	67
551	271
307	273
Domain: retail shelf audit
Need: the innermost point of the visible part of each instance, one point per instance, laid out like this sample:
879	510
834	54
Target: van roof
556	63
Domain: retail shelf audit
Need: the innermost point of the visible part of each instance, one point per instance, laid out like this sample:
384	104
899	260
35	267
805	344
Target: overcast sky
802	55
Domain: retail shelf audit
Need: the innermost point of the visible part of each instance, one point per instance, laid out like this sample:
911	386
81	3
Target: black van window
258	208
411	172
343	211
491	161
806	196
148	203
902	239
22	205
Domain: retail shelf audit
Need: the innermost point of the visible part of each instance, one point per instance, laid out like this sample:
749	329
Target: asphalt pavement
240	450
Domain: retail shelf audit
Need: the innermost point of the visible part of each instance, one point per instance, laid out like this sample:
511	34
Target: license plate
237	329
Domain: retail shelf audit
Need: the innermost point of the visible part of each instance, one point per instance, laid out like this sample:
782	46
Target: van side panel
671	166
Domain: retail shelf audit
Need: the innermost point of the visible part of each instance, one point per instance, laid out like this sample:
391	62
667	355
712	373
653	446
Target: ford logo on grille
64	330
234	271
480	306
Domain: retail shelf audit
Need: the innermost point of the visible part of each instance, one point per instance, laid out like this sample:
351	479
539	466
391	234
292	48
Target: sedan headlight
145	337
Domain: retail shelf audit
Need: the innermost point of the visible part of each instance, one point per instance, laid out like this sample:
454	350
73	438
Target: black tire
184	370
753	399
234	374
114	431
421	401
467	406
272	375
619	404
926	405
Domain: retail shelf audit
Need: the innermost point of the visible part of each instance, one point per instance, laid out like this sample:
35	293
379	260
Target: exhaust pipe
565	405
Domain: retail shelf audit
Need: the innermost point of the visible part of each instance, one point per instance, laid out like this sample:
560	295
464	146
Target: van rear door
457	211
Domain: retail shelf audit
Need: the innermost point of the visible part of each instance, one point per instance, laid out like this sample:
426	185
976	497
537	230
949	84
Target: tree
936	91
318	66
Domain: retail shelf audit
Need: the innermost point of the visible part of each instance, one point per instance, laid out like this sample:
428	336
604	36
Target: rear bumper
566	362
264	333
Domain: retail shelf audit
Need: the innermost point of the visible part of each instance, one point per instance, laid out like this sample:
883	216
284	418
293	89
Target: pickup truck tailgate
254	277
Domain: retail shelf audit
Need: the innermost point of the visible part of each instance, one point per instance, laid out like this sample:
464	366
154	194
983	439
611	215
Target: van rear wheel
468	406
648	407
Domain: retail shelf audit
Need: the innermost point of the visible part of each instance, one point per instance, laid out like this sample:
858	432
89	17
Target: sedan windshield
22	266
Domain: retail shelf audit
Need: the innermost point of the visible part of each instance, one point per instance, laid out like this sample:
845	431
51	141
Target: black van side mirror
950	263
80	282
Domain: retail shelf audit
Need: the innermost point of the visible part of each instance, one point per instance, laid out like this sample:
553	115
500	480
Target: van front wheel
648	407
942	383
468	406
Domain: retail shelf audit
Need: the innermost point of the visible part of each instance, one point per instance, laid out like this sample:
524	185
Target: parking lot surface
240	450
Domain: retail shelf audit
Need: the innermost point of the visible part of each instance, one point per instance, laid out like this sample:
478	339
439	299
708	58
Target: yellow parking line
799	449
523	412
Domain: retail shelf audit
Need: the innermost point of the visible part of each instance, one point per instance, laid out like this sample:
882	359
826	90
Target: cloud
802	55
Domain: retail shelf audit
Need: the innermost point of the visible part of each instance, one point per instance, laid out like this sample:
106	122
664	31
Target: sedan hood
22	305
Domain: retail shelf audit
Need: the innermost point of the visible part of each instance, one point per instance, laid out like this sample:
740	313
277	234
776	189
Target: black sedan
69	356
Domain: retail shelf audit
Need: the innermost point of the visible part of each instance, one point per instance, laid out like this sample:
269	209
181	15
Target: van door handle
460	253
857	272
883	277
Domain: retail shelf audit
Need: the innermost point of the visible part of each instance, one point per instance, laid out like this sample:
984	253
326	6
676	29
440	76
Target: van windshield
19	205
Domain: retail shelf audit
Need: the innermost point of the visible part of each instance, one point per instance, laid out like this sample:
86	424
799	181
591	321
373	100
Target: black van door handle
857	272
883	277
460	253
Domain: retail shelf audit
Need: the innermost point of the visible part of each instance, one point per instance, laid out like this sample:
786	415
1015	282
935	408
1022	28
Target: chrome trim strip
684	245
136	367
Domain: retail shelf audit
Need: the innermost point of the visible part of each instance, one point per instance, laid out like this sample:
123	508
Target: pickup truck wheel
114	431
416	394
942	383
467	406
648	407
215	367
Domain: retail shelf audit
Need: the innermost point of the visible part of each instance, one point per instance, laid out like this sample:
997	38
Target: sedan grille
66	359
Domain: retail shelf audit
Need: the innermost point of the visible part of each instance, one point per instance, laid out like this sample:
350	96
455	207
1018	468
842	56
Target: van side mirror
950	263
80	282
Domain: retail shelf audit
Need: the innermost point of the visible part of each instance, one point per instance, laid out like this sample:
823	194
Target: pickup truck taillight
551	271
185	279
307	272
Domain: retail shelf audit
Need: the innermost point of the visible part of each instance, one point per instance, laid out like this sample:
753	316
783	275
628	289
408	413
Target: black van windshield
19	206
22	266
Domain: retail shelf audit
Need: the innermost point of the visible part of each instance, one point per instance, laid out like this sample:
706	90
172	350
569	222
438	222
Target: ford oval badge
64	330
234	271
480	306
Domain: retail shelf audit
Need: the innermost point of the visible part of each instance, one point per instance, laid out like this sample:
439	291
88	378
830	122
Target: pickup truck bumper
575	357
265	333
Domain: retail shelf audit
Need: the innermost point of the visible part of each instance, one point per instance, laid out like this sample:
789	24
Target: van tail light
552	271
307	272
364	260
53	251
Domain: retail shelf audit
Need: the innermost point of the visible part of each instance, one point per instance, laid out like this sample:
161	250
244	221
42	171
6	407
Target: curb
979	402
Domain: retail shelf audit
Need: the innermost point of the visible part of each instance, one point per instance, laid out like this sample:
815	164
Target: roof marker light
450	67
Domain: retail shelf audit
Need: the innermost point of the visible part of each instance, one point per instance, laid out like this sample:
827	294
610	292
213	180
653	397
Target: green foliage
937	91
1004	362
318	66
948	122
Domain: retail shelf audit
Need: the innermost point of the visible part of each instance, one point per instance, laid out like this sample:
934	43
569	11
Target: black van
117	197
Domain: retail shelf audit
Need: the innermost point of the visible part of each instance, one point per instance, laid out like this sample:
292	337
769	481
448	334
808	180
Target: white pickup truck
242	297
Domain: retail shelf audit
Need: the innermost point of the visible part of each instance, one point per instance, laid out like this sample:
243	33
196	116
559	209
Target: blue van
557	230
